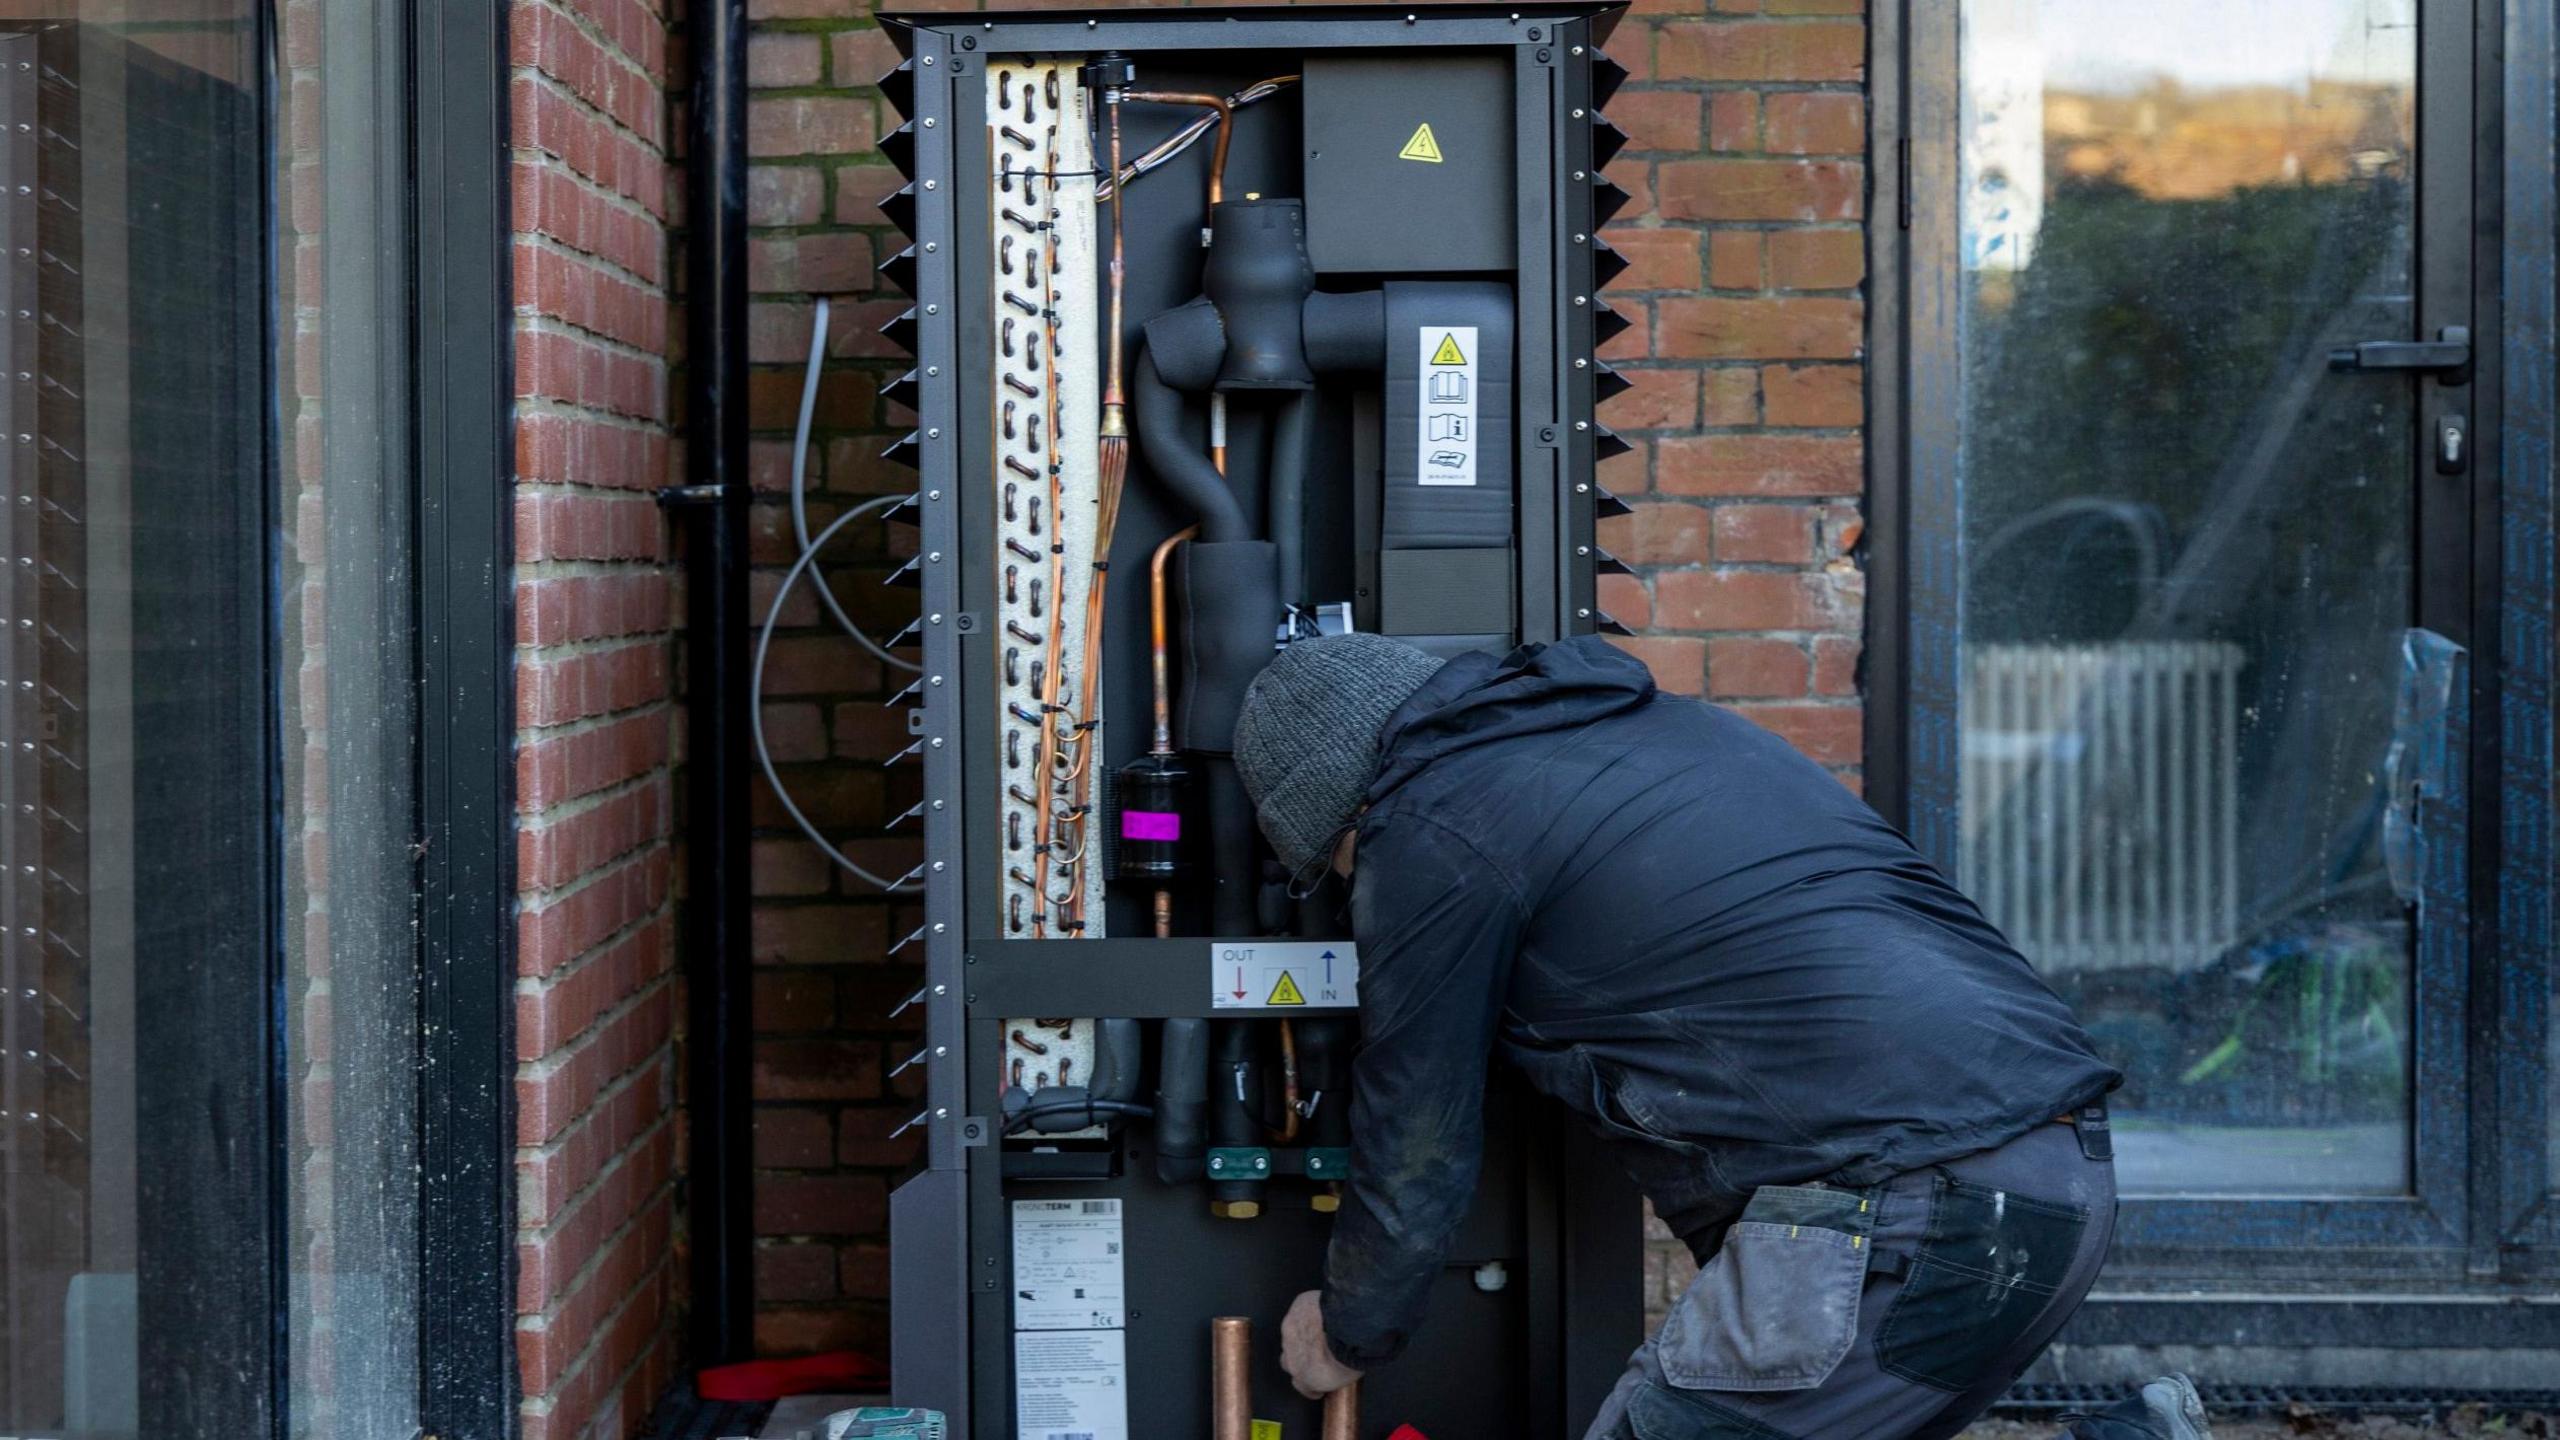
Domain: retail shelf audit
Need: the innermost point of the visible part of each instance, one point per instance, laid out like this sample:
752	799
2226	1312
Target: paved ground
2311	1426
804	1412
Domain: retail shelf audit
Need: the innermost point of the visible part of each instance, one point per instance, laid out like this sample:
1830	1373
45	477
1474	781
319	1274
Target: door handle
2447	357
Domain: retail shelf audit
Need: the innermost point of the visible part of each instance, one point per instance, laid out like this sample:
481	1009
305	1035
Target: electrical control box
1232	328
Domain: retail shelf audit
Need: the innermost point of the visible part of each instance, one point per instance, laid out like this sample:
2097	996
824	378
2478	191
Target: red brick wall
1747	121
823	981
597	998
1747	164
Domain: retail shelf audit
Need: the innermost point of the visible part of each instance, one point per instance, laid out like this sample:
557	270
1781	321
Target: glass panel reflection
2187	560
205	616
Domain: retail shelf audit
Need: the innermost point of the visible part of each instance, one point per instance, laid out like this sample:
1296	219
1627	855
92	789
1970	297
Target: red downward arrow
1239	982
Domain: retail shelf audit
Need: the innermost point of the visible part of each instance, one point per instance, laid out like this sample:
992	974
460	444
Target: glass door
209	976
2190	471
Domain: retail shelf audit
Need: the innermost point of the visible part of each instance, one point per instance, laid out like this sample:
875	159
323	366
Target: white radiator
2099	800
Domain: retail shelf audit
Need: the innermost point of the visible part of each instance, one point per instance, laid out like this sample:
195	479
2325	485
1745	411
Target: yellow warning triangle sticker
1286	992
1448	353
1423	146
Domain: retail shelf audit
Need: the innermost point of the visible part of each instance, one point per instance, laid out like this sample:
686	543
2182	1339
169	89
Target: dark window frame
2485	1213
464	423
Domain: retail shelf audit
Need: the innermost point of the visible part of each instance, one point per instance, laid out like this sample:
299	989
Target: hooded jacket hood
1478	699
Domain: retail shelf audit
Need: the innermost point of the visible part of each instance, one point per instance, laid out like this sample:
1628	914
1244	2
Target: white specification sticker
1066	1265
1070	1308
1448	410
1070	1385
1257	974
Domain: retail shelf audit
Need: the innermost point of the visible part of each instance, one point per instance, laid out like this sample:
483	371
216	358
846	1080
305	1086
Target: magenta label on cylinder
1150	825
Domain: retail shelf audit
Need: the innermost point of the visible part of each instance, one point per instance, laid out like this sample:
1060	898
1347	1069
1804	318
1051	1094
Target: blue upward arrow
1327	957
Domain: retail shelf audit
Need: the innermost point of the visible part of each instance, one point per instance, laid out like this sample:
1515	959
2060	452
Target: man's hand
1304	1353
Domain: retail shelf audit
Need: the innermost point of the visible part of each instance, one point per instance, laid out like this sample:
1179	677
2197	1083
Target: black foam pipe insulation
1182	1101
1258	277
1182	467
1235	1093
1228	593
1286	497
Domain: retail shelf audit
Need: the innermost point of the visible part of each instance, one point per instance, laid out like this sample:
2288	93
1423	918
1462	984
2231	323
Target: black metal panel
1423	136
954	1345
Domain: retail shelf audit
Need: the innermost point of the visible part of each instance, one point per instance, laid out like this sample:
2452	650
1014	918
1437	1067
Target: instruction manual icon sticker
1424	146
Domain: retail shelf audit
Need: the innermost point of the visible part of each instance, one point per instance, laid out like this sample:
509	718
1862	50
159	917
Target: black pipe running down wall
717	762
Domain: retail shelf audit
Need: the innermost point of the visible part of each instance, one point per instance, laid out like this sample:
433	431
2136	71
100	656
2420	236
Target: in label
1259	974
1447	442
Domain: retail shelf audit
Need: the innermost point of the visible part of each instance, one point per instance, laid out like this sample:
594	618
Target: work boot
2167	1409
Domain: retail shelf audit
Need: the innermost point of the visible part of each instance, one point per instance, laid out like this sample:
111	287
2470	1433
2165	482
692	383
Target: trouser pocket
1777	1307
1990	1265
1654	1413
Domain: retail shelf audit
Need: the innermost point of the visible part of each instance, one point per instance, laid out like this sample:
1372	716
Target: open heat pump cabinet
1232	329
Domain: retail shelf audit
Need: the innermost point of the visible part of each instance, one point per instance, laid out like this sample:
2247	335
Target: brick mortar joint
612	1092
543	242
535	158
541	1068
534	322
529	736
587	26
559	88
550	982
569	1205
600	873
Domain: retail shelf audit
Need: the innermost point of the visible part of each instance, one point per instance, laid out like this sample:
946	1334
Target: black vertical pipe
716	720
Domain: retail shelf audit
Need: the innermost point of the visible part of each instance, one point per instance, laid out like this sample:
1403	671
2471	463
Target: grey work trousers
1900	1311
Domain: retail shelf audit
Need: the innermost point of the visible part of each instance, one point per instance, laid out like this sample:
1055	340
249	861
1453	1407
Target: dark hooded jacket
1691	935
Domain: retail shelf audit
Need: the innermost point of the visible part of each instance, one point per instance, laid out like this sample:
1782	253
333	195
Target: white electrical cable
800	493
755	692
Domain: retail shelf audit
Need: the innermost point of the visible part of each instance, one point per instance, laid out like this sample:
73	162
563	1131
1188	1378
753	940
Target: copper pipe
1115	405
1159	638
1181	139
1164	914
1288	1081
1231	1378
1226	126
1047	763
1342	1413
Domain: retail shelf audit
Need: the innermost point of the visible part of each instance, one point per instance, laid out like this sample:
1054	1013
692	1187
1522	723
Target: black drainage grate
2235	1401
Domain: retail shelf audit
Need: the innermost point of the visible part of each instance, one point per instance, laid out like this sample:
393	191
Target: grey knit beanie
1307	737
